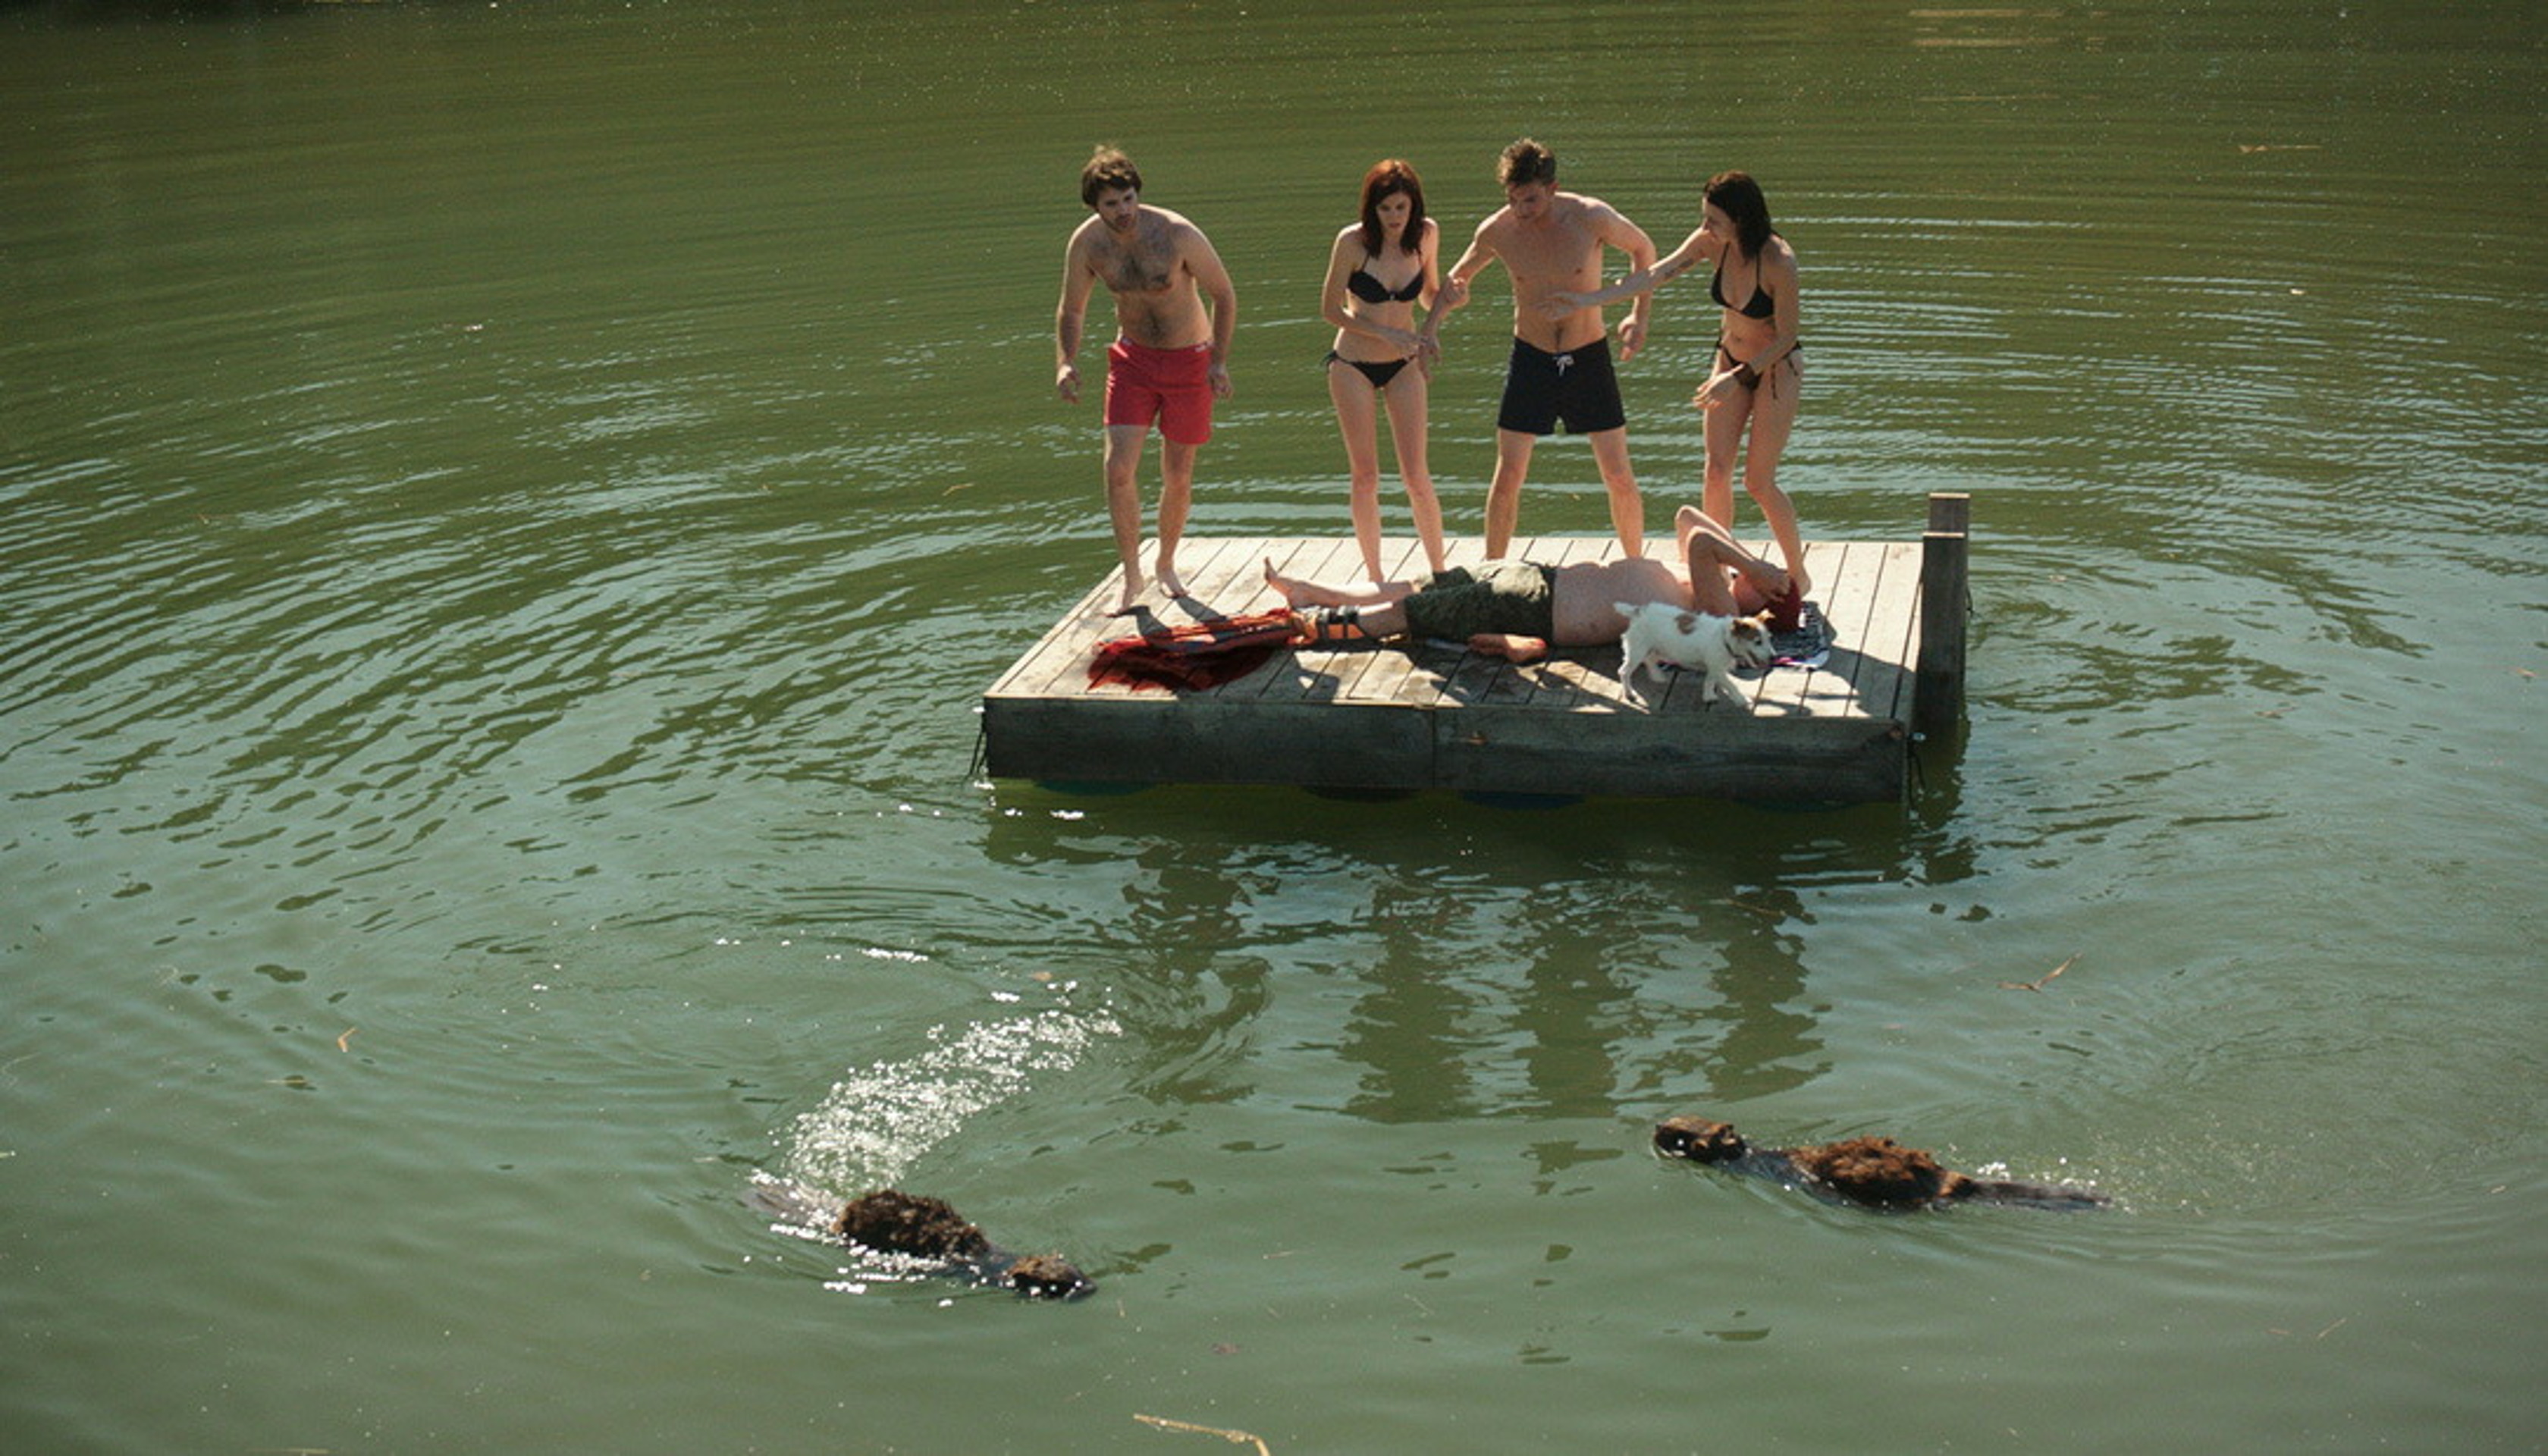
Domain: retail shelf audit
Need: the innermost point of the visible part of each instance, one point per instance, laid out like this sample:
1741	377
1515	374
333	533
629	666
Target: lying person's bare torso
1582	600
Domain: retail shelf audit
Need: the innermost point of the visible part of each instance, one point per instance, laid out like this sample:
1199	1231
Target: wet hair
894	1222
1737	196
1385	179
1881	1172
1106	169
1046	1277
1698	1140
1527	161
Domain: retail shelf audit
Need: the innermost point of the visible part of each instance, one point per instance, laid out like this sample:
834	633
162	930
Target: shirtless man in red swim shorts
1170	361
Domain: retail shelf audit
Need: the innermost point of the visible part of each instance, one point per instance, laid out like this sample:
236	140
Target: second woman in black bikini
1759	369
1380	269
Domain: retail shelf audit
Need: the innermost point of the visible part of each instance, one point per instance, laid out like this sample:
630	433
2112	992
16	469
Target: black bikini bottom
1379	372
1797	353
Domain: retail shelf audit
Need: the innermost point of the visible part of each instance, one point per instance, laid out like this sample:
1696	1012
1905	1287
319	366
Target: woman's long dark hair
1384	178
1737	196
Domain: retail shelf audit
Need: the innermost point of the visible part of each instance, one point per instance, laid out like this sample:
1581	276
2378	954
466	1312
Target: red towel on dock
1195	656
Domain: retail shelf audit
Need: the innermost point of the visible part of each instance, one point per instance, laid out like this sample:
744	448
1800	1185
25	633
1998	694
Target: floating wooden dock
1413	715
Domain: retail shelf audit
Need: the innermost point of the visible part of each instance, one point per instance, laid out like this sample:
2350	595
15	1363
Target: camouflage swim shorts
1516	596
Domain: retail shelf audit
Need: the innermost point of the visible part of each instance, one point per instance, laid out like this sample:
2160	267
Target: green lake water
511	509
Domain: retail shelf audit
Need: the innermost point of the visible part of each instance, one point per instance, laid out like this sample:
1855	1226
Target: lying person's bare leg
1510	646
1374	609
1302	591
1332	613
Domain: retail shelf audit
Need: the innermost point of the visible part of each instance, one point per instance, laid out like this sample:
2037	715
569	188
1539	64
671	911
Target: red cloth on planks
1196	656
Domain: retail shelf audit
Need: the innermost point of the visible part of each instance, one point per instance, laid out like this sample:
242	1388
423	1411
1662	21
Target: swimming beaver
1876	1172
893	1221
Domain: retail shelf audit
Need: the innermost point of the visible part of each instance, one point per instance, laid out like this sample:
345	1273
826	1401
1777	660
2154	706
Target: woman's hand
1632	334
1719	389
1561	305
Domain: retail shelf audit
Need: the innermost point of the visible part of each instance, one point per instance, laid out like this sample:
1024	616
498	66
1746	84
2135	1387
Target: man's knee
1512	459
1611	457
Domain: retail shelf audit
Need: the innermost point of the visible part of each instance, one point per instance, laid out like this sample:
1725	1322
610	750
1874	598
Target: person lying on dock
1518	609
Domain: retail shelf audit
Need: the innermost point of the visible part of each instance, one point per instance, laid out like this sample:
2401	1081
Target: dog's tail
1624	609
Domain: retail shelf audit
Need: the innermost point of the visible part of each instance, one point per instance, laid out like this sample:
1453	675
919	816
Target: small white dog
1659	632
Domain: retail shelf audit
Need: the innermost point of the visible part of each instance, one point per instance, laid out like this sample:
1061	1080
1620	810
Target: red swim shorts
1171	387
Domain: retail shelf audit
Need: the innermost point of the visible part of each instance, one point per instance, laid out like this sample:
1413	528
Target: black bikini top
1371	290
1761	305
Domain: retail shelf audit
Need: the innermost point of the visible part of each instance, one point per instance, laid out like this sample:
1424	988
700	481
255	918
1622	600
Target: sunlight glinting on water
878	1122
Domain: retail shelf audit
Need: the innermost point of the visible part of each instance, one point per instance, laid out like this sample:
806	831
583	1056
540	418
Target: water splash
875	1124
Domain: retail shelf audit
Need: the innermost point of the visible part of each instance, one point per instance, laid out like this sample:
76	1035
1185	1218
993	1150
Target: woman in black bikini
1759	369
1380	269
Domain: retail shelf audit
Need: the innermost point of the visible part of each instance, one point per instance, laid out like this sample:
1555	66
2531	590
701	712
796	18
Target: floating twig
1234	1438
2037	984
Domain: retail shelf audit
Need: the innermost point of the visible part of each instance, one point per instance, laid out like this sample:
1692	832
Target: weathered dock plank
1422	715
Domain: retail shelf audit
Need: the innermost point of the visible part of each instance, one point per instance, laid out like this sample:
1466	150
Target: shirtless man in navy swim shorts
1170	358
1552	242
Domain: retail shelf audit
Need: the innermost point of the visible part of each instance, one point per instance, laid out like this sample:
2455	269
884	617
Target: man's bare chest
1560	251
1141	267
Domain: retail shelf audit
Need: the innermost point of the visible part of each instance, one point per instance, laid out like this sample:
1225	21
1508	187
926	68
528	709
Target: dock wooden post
1945	601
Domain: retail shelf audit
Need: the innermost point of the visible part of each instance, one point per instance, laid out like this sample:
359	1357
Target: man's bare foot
1170	584
1510	646
1130	601
1291	589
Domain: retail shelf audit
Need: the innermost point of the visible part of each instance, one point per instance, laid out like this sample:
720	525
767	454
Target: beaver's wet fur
898	1222
890	1221
1881	1171
1873	1173
1048	1277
